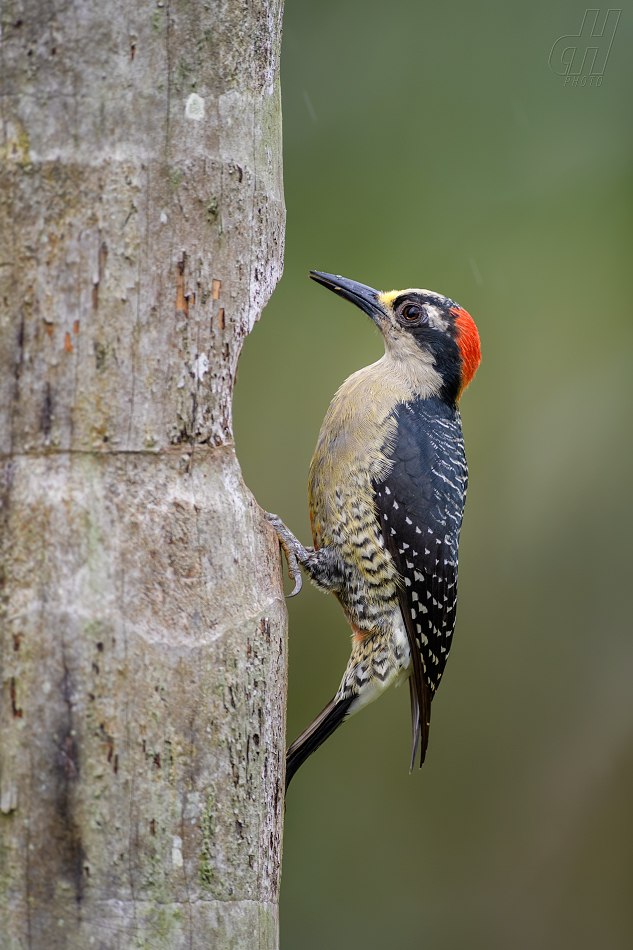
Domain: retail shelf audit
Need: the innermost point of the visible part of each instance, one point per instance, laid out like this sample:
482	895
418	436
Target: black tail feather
421	695
315	735
415	723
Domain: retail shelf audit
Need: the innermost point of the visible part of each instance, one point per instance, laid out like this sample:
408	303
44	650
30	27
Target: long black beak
363	296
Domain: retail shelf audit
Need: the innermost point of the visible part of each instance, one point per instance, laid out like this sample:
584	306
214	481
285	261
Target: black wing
420	505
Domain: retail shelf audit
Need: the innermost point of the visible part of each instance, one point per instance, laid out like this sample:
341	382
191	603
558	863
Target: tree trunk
143	651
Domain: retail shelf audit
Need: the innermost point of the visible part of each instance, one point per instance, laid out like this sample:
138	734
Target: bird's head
418	326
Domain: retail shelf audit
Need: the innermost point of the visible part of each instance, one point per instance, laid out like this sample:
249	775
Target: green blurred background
431	145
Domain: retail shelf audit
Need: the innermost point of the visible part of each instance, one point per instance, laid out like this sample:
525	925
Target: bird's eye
412	315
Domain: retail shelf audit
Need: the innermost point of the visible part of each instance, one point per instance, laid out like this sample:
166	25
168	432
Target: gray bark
142	621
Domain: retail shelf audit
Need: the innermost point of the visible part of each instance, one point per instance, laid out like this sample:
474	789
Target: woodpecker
386	490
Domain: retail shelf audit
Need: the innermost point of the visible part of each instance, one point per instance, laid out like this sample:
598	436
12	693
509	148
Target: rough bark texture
143	656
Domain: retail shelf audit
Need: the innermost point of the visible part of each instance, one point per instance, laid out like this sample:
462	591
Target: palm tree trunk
142	623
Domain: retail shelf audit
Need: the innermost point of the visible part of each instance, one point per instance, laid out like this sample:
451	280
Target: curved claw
294	571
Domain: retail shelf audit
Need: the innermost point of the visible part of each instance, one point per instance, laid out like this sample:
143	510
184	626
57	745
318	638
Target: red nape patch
468	342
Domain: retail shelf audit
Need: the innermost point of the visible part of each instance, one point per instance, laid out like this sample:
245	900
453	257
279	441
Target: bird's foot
292	548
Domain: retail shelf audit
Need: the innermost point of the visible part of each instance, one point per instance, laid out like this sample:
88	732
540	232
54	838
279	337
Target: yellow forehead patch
389	296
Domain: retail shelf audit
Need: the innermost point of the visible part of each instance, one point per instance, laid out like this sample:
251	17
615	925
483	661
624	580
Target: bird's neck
394	378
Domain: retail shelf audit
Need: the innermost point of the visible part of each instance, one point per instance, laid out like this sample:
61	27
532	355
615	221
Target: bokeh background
430	144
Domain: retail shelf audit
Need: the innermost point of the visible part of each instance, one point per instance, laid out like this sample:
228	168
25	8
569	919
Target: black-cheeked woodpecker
387	487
